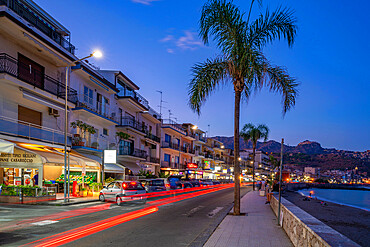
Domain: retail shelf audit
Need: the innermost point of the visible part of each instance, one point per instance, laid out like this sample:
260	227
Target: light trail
80	232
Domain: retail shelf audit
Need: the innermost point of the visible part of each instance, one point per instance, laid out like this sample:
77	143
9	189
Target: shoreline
352	222
332	201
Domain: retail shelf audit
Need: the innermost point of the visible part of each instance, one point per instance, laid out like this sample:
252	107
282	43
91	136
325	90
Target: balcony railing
170	145
136	96
198	153
173	124
93	141
99	108
125	150
17	128
153	160
200	138
219	158
167	164
12	66
39	23
153	137
130	122
187	150
209	156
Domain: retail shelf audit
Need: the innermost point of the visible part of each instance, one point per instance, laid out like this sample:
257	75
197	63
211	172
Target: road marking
6	219
191	212
44	222
215	211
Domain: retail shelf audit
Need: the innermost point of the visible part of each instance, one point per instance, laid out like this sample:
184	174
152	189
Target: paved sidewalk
258	228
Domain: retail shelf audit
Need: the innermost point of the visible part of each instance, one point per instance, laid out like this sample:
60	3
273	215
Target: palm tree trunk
254	158
236	154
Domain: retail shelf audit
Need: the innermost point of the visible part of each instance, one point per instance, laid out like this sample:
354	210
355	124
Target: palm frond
268	27
224	22
280	81
264	130
206	77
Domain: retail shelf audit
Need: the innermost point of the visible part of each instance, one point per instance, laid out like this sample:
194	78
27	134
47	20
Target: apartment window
30	116
150	129
177	160
126	147
178	142
167	138
105	132
167	157
88	95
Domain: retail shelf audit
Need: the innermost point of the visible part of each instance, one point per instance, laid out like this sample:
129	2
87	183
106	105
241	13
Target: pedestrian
35	179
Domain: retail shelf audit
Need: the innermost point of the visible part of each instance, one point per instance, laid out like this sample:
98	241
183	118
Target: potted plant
83	192
83	127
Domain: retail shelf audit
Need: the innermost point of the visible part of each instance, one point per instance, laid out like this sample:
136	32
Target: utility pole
280	177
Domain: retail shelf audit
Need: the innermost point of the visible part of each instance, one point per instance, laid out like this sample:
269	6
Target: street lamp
96	54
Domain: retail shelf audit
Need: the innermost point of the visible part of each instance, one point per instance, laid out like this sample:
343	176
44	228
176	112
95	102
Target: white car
123	191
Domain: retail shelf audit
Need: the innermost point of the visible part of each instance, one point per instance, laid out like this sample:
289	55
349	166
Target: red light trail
80	232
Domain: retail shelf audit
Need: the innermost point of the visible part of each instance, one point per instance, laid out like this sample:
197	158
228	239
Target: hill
309	153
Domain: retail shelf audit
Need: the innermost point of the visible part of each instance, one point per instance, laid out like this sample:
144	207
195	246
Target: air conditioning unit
53	112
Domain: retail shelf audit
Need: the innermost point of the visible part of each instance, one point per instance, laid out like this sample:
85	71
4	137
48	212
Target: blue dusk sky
155	43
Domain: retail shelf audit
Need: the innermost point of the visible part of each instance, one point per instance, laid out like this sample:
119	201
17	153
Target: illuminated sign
110	156
207	165
224	171
217	168
192	166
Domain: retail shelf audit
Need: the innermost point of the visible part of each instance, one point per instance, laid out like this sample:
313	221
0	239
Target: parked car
123	191
214	182
175	182
193	182
205	183
156	184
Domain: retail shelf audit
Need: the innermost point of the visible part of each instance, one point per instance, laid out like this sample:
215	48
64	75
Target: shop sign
217	168
192	166
224	171
207	165
19	156
110	156
195	172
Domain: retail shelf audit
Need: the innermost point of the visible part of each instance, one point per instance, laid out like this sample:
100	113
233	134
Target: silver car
123	191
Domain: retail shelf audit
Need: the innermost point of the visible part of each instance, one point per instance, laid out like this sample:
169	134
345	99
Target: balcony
153	137
218	158
15	128
129	122
98	108
135	152
188	150
208	156
94	142
174	165
41	24
135	96
12	66
171	145
172	124
200	138
153	160
199	153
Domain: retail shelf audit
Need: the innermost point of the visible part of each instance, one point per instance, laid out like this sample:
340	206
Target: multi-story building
34	51
133	116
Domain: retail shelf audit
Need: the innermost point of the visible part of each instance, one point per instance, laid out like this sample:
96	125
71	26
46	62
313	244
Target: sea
354	198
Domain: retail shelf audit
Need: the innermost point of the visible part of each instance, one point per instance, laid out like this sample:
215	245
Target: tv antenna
160	103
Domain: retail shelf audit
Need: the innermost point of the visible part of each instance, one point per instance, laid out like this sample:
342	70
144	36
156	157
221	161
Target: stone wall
304	229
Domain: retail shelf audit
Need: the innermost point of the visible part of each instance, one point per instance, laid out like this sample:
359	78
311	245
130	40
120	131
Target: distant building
310	170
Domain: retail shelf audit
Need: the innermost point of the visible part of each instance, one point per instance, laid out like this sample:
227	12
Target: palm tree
254	133
242	62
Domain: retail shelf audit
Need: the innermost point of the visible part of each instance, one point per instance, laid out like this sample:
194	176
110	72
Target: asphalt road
185	223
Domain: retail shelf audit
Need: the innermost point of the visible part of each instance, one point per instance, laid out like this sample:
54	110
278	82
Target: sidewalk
258	228
72	200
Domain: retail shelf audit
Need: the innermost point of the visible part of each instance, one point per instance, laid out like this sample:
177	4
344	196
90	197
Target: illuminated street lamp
96	54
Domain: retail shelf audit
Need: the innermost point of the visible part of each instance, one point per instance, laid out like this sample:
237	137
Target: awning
113	168
130	165
6	147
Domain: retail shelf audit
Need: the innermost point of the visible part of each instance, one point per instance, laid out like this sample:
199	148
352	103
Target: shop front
175	172
38	165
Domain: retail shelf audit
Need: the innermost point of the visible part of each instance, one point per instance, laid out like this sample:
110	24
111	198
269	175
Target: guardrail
41	24
173	124
125	150
153	137
13	67
134	95
99	108
17	128
130	122
170	145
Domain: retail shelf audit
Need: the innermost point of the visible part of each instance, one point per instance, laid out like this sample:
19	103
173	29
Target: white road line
215	211
193	210
44	222
6	219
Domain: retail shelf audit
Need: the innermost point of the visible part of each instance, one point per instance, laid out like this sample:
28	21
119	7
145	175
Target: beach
352	222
